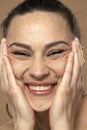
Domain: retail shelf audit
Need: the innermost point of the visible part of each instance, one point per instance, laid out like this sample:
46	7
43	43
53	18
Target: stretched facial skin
39	44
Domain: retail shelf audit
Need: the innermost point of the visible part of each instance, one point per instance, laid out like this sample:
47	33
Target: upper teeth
40	88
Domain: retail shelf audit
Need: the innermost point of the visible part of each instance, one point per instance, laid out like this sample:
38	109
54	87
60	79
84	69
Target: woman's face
39	45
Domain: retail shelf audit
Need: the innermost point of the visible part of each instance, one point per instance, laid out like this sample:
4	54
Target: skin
38	35
64	69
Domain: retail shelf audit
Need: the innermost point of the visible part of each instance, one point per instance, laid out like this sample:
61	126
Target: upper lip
39	84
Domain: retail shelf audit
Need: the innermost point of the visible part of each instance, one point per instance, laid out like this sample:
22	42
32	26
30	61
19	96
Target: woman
41	67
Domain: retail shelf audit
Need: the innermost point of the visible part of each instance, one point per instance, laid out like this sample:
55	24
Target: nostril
38	69
39	72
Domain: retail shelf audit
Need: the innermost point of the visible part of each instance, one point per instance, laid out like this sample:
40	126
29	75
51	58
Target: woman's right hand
14	93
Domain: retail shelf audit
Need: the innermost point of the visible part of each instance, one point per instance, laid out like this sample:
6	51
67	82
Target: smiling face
39	44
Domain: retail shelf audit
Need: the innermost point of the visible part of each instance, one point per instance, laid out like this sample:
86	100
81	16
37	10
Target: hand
14	93
68	95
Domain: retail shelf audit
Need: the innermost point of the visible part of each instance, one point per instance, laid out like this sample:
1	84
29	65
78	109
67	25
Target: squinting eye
56	52
18	53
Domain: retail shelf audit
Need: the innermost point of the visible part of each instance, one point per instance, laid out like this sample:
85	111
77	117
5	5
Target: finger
67	77
13	83
60	99
64	87
76	77
16	92
0	62
2	44
4	83
77	67
82	62
4	77
1	47
80	52
9	71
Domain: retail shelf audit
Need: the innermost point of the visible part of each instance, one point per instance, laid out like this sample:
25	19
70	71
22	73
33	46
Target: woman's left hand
68	95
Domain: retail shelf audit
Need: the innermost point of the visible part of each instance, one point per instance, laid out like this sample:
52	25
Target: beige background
79	7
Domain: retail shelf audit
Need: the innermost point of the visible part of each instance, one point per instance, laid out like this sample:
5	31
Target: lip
38	92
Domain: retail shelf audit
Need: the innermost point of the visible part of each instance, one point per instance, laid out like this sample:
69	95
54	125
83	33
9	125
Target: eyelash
21	53
56	52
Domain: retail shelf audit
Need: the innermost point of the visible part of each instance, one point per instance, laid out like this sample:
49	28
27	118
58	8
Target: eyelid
57	51
20	53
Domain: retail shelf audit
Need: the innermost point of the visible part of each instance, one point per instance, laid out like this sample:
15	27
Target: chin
41	100
41	105
41	108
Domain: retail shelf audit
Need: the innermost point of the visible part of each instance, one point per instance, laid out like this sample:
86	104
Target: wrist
23	126
61	126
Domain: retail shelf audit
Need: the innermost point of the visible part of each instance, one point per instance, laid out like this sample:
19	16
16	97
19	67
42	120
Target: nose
38	69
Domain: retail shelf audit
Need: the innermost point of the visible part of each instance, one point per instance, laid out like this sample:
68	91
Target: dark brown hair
42	5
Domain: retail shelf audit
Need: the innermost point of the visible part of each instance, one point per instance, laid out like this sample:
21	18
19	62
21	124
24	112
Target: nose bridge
38	68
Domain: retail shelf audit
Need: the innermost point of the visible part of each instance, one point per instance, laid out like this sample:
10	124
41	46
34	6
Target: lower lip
41	93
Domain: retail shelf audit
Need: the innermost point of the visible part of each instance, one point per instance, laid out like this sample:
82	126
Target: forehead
38	25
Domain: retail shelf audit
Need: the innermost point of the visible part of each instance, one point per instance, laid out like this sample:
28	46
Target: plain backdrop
79	8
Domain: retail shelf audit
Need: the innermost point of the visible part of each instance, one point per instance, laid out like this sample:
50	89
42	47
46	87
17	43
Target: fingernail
3	42
76	41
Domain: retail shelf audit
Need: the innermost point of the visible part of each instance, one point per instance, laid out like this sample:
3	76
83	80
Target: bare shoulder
82	115
7	126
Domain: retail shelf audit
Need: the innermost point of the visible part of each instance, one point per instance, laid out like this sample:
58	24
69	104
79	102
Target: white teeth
40	88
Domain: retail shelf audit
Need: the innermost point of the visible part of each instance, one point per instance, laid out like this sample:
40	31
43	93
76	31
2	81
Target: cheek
18	67
58	67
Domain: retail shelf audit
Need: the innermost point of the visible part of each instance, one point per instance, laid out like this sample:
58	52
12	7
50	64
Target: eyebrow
23	45
55	43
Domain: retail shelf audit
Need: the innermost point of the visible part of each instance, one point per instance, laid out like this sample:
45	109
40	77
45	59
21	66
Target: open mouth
42	89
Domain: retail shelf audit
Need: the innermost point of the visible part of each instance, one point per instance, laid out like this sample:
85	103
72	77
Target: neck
42	120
